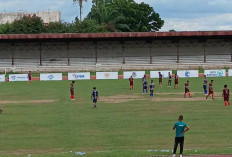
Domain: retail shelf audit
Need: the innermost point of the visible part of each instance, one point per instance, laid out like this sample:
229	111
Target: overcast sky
181	15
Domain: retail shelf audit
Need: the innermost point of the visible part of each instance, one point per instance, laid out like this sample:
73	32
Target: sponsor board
51	77
187	73
215	73
134	74
79	76
155	74
18	77
106	75
230	72
2	78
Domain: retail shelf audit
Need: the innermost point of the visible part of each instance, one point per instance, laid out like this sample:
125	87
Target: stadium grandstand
115	51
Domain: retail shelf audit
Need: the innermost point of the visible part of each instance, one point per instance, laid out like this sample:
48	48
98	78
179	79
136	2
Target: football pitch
40	120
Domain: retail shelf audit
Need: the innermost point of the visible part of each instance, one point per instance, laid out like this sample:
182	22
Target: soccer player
210	90
205	81
144	79
72	90
29	77
152	86
169	80
187	89
226	95
131	83
180	128
176	81
160	79
94	96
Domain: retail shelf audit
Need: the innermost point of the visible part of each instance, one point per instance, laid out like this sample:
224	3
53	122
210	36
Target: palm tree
80	2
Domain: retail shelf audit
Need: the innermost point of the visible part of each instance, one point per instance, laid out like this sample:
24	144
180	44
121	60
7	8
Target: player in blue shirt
94	96
144	79
205	81
180	128
152	86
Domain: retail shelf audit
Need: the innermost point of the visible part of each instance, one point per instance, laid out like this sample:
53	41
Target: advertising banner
2	78
51	77
79	76
18	77
155	74
215	73
187	73
230	72
106	75
134	74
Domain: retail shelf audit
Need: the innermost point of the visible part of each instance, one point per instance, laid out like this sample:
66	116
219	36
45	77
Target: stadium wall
108	55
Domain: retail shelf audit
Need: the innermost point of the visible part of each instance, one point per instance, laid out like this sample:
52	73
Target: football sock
228	103
225	103
189	94
212	96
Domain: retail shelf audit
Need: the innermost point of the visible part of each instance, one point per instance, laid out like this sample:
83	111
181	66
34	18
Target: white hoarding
187	73
79	76
230	72
18	77
106	75
2	78
134	74
51	77
215	73
155	74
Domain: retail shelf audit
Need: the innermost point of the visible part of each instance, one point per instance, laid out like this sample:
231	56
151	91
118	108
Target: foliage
126	15
58	27
105	16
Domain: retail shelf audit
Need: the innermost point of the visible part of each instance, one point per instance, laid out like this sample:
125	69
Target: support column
204	51
68	53
177	52
150	47
12	54
96	48
123	53
40	54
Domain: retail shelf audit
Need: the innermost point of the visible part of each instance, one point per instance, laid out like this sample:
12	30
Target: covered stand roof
118	36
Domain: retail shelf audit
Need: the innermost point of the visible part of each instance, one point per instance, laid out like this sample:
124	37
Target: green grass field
126	129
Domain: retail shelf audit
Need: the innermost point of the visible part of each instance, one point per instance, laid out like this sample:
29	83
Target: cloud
215	22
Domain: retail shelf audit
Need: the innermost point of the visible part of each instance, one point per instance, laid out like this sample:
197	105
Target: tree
28	25
80	2
125	15
58	27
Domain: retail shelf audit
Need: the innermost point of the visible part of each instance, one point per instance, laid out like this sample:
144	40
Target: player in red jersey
210	90
160	79
72	90
176	81
29	77
187	90
226	95
131	83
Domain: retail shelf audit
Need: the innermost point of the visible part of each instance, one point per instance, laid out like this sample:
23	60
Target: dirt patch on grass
178	99
126	98
120	98
27	101
32	151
